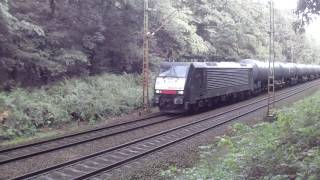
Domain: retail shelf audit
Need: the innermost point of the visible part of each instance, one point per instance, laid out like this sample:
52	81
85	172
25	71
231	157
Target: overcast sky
286	4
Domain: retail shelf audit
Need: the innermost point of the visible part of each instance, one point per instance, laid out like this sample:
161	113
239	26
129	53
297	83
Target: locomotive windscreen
172	77
177	71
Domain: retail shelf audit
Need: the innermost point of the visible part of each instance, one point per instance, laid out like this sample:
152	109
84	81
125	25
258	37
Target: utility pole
146	34
272	56
292	53
146	37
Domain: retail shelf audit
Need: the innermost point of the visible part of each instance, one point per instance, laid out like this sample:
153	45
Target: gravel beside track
48	159
113	157
25	151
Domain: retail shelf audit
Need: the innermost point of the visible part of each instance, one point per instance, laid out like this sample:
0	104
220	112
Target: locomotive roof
209	64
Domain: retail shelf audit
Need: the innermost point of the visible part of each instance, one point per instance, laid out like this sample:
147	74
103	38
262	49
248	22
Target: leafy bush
286	149
89	99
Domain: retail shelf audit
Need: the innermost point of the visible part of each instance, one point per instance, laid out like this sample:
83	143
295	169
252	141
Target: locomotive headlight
180	92
158	91
178	100
156	100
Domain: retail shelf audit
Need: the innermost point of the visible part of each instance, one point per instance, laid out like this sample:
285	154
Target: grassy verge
26	112
286	149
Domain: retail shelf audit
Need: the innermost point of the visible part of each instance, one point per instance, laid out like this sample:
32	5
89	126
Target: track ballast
94	164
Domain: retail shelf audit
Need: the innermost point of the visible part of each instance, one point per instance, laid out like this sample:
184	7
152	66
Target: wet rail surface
92	165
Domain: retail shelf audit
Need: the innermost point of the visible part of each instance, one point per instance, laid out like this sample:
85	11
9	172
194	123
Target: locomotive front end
170	87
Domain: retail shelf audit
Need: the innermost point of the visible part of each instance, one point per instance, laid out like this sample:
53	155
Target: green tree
76	37
307	8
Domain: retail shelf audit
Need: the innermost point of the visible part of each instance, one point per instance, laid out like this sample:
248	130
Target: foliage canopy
45	40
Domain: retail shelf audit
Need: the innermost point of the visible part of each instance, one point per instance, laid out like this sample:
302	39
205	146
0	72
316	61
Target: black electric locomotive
189	86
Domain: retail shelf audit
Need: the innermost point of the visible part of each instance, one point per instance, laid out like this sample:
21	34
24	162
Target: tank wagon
189	86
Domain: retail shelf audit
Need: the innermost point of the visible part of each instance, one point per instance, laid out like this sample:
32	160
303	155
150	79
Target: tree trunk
52	8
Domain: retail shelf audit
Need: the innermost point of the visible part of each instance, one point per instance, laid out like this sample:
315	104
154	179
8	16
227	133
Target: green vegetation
306	9
24	112
286	149
41	135
45	40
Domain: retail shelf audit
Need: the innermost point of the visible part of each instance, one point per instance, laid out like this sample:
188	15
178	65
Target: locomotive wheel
248	94
195	107
242	96
210	103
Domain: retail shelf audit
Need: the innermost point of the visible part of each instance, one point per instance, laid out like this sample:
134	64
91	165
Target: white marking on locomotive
170	83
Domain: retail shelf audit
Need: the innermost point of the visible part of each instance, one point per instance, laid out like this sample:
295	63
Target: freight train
190	86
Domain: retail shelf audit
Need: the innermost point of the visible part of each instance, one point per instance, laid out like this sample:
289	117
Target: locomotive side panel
205	83
221	81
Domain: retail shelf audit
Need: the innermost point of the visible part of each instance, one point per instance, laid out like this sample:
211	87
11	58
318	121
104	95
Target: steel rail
5	158
2	150
184	138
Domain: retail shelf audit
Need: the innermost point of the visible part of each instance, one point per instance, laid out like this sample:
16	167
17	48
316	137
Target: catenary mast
146	103
272	56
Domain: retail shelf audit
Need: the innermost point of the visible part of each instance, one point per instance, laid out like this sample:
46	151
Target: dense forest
46	40
72	65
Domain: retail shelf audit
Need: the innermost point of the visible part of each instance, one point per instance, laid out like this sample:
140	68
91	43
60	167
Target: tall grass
87	99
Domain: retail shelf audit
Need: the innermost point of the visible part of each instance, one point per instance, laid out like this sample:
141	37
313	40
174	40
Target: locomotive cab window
174	71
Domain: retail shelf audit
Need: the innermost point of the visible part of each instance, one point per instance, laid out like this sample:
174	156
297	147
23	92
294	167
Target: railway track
32	149
100	162
37	148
